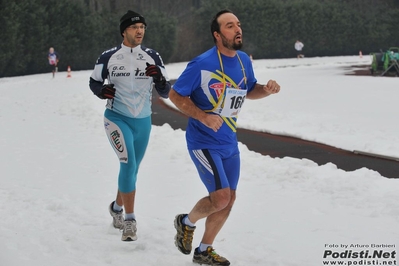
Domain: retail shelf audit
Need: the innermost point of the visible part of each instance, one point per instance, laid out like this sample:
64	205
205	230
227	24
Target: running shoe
209	257
117	217
184	235
129	230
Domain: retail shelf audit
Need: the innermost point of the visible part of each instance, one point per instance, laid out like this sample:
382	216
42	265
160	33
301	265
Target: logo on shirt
139	74
107	51
140	57
218	87
119	72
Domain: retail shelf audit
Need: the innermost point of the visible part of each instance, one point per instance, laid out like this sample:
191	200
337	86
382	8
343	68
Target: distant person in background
298	47
53	59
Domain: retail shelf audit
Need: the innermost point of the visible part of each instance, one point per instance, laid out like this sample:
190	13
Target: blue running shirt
203	80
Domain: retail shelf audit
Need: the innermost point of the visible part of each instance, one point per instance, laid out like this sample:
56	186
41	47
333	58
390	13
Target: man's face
230	31
134	34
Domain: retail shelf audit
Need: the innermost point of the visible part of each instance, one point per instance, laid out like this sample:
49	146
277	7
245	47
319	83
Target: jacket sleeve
164	90
96	87
99	75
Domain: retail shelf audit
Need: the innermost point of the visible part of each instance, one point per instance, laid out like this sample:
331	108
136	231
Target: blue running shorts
217	168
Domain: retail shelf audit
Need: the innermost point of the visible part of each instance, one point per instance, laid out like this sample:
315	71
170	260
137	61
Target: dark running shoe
209	257
184	235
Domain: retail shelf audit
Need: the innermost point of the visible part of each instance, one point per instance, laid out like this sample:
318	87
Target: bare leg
119	199
126	200
215	221
129	226
216	207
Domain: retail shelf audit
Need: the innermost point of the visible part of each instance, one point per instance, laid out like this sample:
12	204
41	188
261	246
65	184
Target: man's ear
216	35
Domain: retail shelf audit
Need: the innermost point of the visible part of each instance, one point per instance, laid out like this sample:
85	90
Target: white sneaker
129	230
117	217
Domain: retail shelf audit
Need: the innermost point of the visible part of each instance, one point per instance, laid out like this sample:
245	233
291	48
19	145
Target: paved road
281	146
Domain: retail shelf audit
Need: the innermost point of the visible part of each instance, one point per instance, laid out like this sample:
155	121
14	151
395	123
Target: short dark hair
214	23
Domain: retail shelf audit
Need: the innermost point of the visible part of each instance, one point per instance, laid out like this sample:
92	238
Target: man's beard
231	45
132	41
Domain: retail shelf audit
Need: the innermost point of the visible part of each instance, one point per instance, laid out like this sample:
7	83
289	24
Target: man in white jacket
131	71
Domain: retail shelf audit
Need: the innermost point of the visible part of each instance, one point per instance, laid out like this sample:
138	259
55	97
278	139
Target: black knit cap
130	18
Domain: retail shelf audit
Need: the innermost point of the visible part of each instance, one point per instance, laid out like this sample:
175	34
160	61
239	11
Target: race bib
233	100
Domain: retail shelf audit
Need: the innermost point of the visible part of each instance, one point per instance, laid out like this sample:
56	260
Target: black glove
155	72
107	91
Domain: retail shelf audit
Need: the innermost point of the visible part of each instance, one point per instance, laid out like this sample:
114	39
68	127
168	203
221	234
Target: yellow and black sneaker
184	235
209	257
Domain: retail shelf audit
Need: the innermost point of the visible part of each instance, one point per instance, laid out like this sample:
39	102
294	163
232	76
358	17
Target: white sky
59	174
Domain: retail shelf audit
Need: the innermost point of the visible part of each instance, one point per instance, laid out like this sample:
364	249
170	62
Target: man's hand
156	73
212	121
271	87
107	91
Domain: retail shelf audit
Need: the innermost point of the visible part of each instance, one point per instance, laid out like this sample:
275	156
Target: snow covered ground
59	175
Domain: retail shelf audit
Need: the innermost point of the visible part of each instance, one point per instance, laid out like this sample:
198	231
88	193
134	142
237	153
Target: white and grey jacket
125	67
